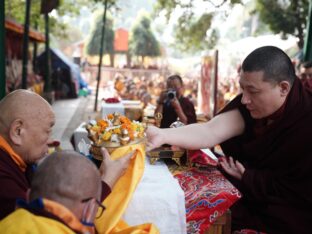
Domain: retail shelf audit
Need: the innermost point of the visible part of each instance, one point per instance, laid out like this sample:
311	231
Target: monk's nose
245	99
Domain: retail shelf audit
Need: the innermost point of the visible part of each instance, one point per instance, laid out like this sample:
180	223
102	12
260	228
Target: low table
165	152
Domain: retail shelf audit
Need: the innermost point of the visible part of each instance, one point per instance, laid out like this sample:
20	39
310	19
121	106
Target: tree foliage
142	40
288	17
197	29
193	32
94	43
15	9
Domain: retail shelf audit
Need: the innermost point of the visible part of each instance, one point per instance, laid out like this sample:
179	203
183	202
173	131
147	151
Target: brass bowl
95	150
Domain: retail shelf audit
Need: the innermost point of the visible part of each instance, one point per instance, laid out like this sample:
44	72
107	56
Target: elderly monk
26	123
266	130
64	198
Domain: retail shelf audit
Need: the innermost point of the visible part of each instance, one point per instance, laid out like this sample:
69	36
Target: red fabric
111	100
13	183
199	157
208	194
307	83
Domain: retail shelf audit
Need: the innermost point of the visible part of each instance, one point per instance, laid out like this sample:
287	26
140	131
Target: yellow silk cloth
22	221
117	202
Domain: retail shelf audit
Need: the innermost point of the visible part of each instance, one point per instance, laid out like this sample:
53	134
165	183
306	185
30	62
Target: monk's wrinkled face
261	98
37	136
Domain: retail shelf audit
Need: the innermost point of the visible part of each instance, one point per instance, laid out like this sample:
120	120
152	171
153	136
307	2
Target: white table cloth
158	199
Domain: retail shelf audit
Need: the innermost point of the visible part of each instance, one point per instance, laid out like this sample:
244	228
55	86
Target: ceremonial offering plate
95	150
112	132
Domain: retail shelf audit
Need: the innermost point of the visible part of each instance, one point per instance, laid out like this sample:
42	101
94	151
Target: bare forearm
209	134
193	136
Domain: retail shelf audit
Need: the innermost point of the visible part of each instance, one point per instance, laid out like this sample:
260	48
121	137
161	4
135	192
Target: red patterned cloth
208	194
199	157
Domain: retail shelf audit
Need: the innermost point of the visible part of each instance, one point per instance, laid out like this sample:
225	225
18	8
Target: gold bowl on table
112	132
95	150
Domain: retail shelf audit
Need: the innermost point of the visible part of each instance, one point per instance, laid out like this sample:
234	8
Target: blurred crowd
147	90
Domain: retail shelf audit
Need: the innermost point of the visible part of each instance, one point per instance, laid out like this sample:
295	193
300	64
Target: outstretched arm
197	136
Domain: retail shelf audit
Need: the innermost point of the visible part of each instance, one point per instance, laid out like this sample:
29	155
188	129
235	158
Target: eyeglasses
101	208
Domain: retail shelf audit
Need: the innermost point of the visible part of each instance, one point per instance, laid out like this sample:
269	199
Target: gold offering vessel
113	131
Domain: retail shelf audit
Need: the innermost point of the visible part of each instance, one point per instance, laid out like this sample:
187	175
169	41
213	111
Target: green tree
193	32
288	17
142	40
94	42
15	9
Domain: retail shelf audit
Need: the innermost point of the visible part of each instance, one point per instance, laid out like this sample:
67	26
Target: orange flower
110	116
126	126
102	124
124	120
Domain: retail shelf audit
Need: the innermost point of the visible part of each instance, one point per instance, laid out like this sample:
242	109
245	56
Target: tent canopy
62	65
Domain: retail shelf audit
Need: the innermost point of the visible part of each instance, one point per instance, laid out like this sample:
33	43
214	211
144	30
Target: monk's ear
284	87
16	131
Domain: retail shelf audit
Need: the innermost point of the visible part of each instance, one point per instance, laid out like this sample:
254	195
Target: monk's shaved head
25	123
66	177
22	104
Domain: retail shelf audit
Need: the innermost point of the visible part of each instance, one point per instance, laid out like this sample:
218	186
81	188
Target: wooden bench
222	225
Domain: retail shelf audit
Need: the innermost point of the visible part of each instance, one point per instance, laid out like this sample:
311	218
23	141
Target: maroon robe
14	184
307	82
170	116
277	183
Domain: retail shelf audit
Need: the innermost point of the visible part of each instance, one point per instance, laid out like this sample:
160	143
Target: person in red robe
26	123
57	203
306	74
173	105
266	132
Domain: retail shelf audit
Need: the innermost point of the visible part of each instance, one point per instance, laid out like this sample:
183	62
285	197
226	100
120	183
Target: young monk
266	130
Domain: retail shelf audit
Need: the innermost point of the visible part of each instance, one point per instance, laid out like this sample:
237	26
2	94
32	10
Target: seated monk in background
306	74
266	130
26	123
64	198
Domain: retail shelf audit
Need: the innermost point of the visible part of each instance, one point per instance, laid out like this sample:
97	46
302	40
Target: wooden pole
25	45
2	51
215	89
101	57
